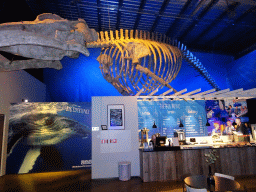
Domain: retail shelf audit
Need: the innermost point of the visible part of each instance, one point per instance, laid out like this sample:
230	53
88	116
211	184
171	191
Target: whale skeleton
45	41
133	62
143	62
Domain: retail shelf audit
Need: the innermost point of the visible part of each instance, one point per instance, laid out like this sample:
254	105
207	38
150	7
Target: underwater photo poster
222	115
49	136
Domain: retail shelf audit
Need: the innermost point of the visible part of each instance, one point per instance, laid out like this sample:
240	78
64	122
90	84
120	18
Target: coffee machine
181	136
158	140
144	135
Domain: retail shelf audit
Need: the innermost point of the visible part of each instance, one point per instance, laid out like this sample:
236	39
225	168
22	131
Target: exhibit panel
48	136
15	86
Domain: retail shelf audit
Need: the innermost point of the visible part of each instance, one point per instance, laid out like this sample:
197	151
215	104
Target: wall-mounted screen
115	117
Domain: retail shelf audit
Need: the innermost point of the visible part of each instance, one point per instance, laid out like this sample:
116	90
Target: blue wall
81	78
78	80
242	72
215	64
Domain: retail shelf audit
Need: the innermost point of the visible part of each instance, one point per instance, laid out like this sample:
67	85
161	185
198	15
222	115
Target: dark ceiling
216	26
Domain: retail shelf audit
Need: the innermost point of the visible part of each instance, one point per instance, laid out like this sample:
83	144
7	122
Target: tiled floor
78	181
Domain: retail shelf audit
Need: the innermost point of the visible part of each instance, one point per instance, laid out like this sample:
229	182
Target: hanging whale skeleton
134	62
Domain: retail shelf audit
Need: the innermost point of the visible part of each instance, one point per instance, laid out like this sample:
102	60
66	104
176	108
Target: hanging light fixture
154	125
181	125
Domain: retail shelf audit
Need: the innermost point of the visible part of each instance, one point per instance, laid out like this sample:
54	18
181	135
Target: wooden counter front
176	165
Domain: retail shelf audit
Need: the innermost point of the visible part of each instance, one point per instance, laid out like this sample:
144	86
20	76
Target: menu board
168	114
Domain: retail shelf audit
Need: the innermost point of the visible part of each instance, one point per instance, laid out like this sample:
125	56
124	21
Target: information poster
50	136
168	114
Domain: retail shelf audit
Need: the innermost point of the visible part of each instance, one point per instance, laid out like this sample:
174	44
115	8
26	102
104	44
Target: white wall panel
105	156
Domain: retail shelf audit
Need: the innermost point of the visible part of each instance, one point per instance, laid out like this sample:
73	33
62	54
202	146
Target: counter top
201	146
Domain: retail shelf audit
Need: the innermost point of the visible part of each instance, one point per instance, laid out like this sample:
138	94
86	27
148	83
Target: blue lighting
79	80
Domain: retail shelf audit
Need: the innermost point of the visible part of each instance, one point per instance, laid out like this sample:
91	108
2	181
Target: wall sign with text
168	115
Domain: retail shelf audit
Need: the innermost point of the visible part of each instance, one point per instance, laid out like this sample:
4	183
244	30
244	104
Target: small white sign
95	128
115	141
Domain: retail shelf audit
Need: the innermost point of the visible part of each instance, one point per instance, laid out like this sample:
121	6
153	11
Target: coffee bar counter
176	163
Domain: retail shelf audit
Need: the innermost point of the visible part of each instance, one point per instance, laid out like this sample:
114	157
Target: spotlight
25	100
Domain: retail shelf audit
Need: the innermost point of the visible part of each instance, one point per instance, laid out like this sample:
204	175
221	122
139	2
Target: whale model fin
30	160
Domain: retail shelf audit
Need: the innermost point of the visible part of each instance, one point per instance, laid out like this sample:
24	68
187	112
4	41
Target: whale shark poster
50	136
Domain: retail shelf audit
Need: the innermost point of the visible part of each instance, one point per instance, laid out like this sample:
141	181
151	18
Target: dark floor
77	181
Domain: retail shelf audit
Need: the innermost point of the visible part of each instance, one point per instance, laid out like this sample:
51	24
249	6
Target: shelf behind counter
176	164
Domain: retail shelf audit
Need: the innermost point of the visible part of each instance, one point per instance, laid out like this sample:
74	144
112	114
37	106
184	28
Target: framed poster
115	117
